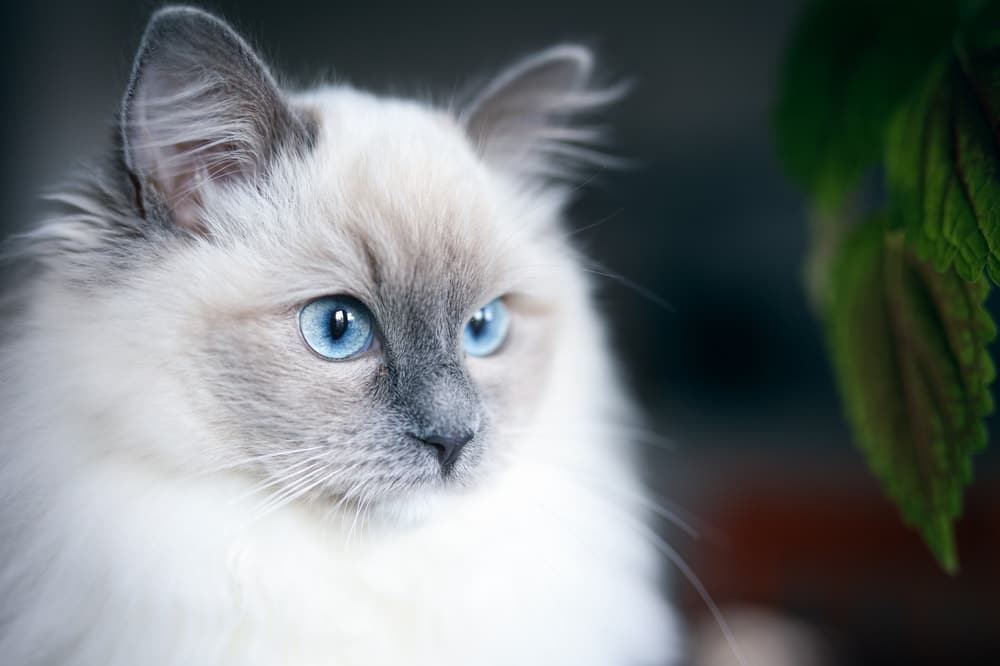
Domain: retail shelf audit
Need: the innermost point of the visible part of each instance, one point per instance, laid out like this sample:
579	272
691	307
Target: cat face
402	225
355	299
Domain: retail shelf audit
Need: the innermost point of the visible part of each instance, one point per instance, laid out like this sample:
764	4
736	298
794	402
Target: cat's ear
522	119
201	108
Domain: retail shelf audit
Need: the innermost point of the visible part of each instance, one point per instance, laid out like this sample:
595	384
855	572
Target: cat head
355	298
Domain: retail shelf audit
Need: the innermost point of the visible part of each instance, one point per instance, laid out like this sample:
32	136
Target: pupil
339	321
478	323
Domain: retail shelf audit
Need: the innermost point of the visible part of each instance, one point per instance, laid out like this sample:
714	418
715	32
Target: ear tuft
521	120
201	109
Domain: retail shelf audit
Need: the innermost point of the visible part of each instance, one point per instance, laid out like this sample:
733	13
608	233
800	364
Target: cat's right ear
201	109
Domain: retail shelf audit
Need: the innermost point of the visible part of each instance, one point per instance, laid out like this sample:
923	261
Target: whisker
679	516
290	493
357	514
286	475
675	558
632	435
651	296
587	227
249	461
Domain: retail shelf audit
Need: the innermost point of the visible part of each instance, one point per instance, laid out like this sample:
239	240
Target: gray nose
449	446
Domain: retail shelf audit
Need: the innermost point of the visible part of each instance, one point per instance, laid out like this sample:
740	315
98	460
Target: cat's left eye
337	327
486	331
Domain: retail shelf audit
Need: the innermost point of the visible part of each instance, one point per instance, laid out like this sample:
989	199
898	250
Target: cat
315	378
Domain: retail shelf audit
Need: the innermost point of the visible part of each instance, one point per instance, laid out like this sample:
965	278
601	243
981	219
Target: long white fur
123	536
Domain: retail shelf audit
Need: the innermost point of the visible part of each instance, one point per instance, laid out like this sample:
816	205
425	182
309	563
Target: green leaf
909	346
943	165
849	65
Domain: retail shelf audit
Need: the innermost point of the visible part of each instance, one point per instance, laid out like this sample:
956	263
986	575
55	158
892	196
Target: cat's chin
400	512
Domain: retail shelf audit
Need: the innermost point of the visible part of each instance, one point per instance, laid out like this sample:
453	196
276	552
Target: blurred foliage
942	165
906	94
909	344
849	66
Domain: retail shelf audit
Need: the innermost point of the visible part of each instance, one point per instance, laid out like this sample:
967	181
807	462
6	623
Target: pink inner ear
181	172
186	135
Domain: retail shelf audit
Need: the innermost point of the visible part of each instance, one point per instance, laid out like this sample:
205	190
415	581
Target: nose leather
449	446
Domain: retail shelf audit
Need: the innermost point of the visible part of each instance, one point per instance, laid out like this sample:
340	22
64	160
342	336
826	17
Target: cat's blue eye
336	327
487	329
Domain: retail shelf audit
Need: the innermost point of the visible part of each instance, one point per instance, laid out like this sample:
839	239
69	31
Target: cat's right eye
337	327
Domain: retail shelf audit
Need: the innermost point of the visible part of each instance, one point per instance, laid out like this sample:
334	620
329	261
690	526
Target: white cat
315	379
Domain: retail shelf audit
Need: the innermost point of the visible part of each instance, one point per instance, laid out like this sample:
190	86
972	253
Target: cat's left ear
201	108
521	121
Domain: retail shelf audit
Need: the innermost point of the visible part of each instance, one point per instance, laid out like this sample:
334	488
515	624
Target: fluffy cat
315	379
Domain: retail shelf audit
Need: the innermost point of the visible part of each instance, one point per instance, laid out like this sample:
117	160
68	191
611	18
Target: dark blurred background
798	546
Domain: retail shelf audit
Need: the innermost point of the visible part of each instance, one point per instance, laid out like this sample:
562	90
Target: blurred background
797	545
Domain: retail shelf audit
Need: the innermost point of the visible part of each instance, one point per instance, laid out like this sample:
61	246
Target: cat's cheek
516	378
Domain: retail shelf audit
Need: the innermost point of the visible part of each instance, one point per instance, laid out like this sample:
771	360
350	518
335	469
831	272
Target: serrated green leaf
943	165
849	65
909	346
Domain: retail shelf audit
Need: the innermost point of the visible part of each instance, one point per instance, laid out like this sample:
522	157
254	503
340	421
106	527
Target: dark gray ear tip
572	55
183	23
167	24
576	61
173	16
